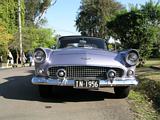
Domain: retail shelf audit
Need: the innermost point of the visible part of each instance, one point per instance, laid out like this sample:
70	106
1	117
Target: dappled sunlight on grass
148	73
145	98
152	62
142	108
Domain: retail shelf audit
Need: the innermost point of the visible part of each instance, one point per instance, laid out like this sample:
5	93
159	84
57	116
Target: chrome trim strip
103	83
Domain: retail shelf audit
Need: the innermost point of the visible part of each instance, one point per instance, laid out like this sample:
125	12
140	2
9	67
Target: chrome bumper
102	83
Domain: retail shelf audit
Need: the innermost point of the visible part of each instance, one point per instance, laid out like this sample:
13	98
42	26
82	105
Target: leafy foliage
40	37
4	39
35	9
4	36
9	14
33	35
8	23
93	14
33	38
137	28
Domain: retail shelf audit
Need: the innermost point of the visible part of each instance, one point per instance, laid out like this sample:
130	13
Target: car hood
84	56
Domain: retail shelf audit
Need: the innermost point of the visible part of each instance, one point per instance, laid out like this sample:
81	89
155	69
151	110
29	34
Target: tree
32	34
94	14
33	38
153	11
9	15
35	10
4	40
137	28
43	37
8	23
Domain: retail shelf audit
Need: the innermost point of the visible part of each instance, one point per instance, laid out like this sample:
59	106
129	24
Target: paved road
19	100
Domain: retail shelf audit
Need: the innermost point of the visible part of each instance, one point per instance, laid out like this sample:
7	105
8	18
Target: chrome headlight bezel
132	58
39	55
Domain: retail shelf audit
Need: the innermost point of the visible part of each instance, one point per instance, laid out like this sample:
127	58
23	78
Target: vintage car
84	63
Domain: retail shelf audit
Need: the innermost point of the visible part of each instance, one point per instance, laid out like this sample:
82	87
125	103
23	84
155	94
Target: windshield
82	42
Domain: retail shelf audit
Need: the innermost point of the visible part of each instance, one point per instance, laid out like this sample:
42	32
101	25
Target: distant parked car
84	62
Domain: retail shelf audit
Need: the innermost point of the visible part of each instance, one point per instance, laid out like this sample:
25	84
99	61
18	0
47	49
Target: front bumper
102	83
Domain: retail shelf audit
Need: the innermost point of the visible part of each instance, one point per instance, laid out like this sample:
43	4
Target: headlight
132	58
39	55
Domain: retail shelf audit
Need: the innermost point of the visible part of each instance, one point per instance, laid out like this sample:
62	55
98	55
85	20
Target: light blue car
84	63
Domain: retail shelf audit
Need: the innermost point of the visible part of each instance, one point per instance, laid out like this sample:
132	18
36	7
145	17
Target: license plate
86	84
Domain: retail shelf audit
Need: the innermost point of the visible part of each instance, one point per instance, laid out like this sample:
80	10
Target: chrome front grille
74	72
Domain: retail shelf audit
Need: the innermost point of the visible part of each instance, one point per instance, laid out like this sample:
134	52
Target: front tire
45	90
122	92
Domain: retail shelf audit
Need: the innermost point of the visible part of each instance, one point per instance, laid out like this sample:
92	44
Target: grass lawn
142	108
145	98
148	73
153	62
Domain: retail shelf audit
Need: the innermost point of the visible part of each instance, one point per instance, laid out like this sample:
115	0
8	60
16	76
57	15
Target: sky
61	17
